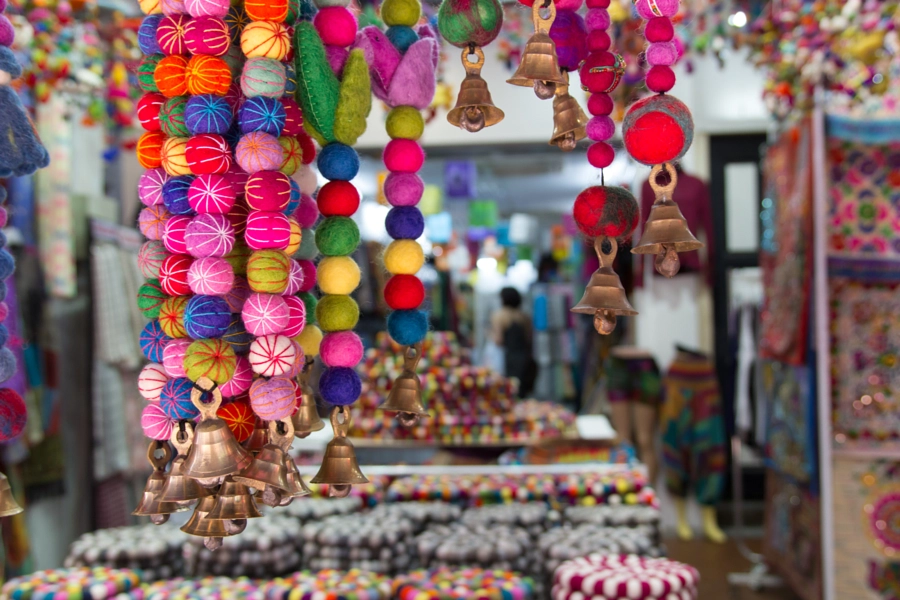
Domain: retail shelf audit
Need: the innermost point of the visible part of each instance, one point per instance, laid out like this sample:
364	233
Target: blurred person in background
511	331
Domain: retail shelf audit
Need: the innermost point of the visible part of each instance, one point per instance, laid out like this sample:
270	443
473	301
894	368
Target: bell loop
159	462
542	24
663	191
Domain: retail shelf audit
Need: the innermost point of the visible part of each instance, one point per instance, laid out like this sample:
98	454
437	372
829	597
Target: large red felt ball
404	292
606	211
660	79
208	153
403	156
13	414
338	199
148	111
601	71
658	129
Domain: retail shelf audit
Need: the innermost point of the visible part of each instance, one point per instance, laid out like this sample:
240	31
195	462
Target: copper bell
474	108
405	397
179	487
259	437
569	120
215	453
267	471
666	232
339	468
234	505
539	67
210	529
296	485
306	420
8	504
151	504
604	297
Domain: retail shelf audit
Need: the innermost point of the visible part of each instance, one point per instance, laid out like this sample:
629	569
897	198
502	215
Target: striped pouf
626	577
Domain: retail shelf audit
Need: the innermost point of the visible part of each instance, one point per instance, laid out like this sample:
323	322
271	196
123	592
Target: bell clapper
159	519
667	262
544	89
605	322
235	526
212	543
567	144
339	490
472	119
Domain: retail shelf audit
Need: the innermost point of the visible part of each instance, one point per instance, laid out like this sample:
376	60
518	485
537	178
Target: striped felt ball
150	186
238	215
172	117
207	8
150	298
208	153
175	195
262	77
147	34
170	34
175	399
148	110
293	117
208	113
173	357
258	151
151	381
175	233
267	10
241	379
295	278
155	424
294	201
171	317
145	73
238	293
173	275
173	156
296	237
149	149
293	155
270	356
267	271
268	190
211	193
265	39
209	234
239	256
172	7
264	314
237	335
236	19
239	417
207	35
153	341
150	7
296	316
210	275
150	258
206	317
273	399
267	230
152	221
210	358
207	75
170	76
261	114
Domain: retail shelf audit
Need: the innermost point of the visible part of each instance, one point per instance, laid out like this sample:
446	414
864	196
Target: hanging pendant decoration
340	469
569	120
604	297
405	397
539	67
152	505
474	108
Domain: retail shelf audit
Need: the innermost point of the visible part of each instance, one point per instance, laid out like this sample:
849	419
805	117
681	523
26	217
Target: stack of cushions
624	577
333	585
463	584
99	583
152	549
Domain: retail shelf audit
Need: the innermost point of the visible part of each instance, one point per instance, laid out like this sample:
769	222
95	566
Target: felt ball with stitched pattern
264	314
295	278
237	177
155	423
263	77
294	200
241	379
149	147
267	230
145	73
150	298
211	193
175	230
238	336
207	8
266	10
151	381
153	341
173	357
238	293
209	234
175	399
297	367
150	186
308	268
171	316
293	155
148	111
170	34
208	113
206	317
175	195
207	75
341	349
290	84
214	359
268	190
236	19
267	271
258	151
238	416
173	157
296	316
338	198
150	7
150	258
272	355
261	113
273	399
296	237
173	275
147	34
210	275
266	39
293	116
152	221
207	35
171	117
404	257
238	257
404	292
172	7
170	76
208	153
238	214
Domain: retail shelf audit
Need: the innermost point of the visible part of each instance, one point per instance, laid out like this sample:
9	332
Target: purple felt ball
569	34
403	189
405	223
340	386
238	293
207	113
147	34
597	19
209	234
150	186
206	317
600	128
175	195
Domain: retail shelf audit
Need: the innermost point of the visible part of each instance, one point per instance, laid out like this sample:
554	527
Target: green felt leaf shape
355	101
318	88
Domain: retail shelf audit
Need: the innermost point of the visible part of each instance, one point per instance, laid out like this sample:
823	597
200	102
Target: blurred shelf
466	470
400	444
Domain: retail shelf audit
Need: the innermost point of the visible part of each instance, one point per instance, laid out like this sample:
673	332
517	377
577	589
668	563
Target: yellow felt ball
296	237
338	275
404	257
150	7
401	12
405	122
266	39
309	339
173	156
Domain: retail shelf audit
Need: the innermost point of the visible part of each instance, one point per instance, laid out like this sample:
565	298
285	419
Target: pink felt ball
174	234
267	230
209	234
173	356
211	193
306	178
237	295
295	279
403	156
598	3
337	57
601	155
240	381
259	151
207	8
660	79
170	34
307	212
336	26
173	275
150	186
657	8
268	191
573	5
237	177
299	362
296	316
152	221
659	29
172	7
597	19
208	153
293	117
600	104
309	275
403	189
661	53
264	314
272	355
151	381
273	399
598	41
341	349
210	276
207	35
600	129
155	423
4	216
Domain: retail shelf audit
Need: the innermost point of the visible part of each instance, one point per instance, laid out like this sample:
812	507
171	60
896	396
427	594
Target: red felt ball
598	41
293	121
659	29
173	274
660	79
13	414
338	199
148	111
657	129
598	3
601	72
600	105
404	292
403	156
207	154
601	155
606	210
308	146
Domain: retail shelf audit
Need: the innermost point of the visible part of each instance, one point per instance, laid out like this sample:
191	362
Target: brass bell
666	232
539	67
234	505
604	297
201	526
267	472
296	485
215	453
179	487
151	504
259	437
405	397
339	469
306	420
569	120
8	504
474	108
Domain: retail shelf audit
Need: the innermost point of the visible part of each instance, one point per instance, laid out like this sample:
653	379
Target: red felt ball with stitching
598	41
601	155
308	146
13	414
403	156
404	292
606	211
659	29
657	129
173	274
598	72
338	199
148	111
600	105
208	154
660	79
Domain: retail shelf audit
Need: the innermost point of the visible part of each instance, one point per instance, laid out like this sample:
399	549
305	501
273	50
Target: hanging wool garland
657	131
407	89
334	92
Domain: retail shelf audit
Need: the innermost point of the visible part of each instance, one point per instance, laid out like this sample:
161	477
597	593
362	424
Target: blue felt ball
206	317
208	114
402	37
3	290
147	34
175	399
2	194
175	194
407	327
7	264
338	162
307	10
294	200
7	364
261	113
153	341
233	135
290	85
237	335
340	386
405	223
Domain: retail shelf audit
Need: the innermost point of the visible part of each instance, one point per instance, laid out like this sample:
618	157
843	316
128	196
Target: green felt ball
150	298
401	12
405	122
477	22
337	313
337	236
309	303
307	249
239	257
145	71
171	117
210	358
267	271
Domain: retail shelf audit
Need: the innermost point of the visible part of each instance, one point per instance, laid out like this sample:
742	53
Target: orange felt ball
207	75
266	10
149	149
170	76
174	160
266	39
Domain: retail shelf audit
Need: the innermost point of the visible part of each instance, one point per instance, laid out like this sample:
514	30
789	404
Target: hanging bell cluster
8	504
539	67
340	469
268	472
474	108
666	232
306	420
604	297
569	120
405	397
152	504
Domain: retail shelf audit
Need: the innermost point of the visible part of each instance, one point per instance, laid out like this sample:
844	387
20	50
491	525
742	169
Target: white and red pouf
625	577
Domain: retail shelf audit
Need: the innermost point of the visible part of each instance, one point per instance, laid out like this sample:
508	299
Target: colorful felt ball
403	156
295	278
340	386
170	34
601	155
337	236
296	238
648	9
267	271
405	223
258	151
209	234
153	341
403	189
207	8
236	19
174	235
152	221
263	77
175	399
308	268
171	117
338	161
273	399
146	73
309	152
210	275
272	355
598	41
569	34
341	349
238	257
207	35
214	359
401	12
149	146
150	7
601	71
155	423
147	34
600	105
264	314
404	122
239	417
175	195
150	298
407	327
211	193
206	317
171	316
241	379
297	367
266	39
148	111
403	257
294	200
267	230
237	177
208	113
307	249
608	211
266	10
307	213
293	116
173	156
296	316
261	113
173	275
208	153
600	128
293	155
404	292
238	336
336	26
337	313
150	258
170	76
207	75
659	29
310	339
338	275
151	381
660	79
150	186
173	357
338	198
657	130
238	293
661	53
13	414
268	191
